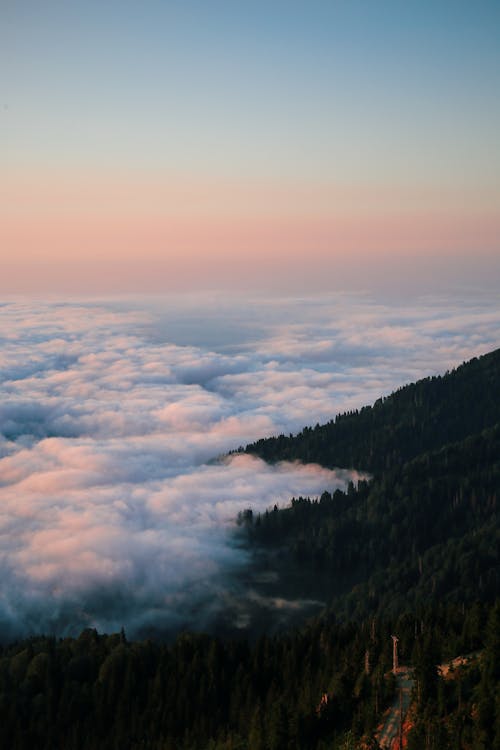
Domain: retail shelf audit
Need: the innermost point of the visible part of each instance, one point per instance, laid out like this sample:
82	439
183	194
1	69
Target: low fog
117	499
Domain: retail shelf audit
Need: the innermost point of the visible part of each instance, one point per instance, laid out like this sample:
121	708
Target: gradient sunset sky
157	146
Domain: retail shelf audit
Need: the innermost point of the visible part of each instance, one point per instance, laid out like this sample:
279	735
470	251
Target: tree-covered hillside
424	528
417	418
425	532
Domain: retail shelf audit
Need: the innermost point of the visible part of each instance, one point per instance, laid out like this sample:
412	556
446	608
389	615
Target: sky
287	146
118	499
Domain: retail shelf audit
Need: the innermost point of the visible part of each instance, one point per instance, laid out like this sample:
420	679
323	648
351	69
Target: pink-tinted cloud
112	509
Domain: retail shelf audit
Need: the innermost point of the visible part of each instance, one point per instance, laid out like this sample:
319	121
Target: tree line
322	686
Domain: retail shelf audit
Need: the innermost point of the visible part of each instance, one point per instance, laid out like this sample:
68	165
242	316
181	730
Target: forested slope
425	532
417	418
424	528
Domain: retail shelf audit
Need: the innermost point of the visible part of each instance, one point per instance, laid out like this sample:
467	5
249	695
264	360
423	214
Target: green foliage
426	532
98	691
200	693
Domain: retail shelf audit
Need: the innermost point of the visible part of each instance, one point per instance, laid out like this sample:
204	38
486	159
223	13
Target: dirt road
402	696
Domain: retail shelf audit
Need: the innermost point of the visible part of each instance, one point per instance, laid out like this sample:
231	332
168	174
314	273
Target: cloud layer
113	510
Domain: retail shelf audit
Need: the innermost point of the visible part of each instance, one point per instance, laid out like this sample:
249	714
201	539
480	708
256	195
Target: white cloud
111	510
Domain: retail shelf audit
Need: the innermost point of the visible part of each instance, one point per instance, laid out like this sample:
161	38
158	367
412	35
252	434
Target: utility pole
395	641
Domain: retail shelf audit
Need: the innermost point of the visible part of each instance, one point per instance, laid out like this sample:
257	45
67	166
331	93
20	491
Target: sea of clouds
117	503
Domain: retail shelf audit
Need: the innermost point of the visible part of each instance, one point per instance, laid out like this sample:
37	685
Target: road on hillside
390	727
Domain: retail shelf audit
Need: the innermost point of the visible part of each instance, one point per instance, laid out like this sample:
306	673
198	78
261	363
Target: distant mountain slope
417	418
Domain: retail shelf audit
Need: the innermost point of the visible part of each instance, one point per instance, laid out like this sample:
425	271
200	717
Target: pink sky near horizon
146	233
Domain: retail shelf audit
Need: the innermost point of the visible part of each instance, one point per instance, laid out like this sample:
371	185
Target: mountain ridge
417	417
424	528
